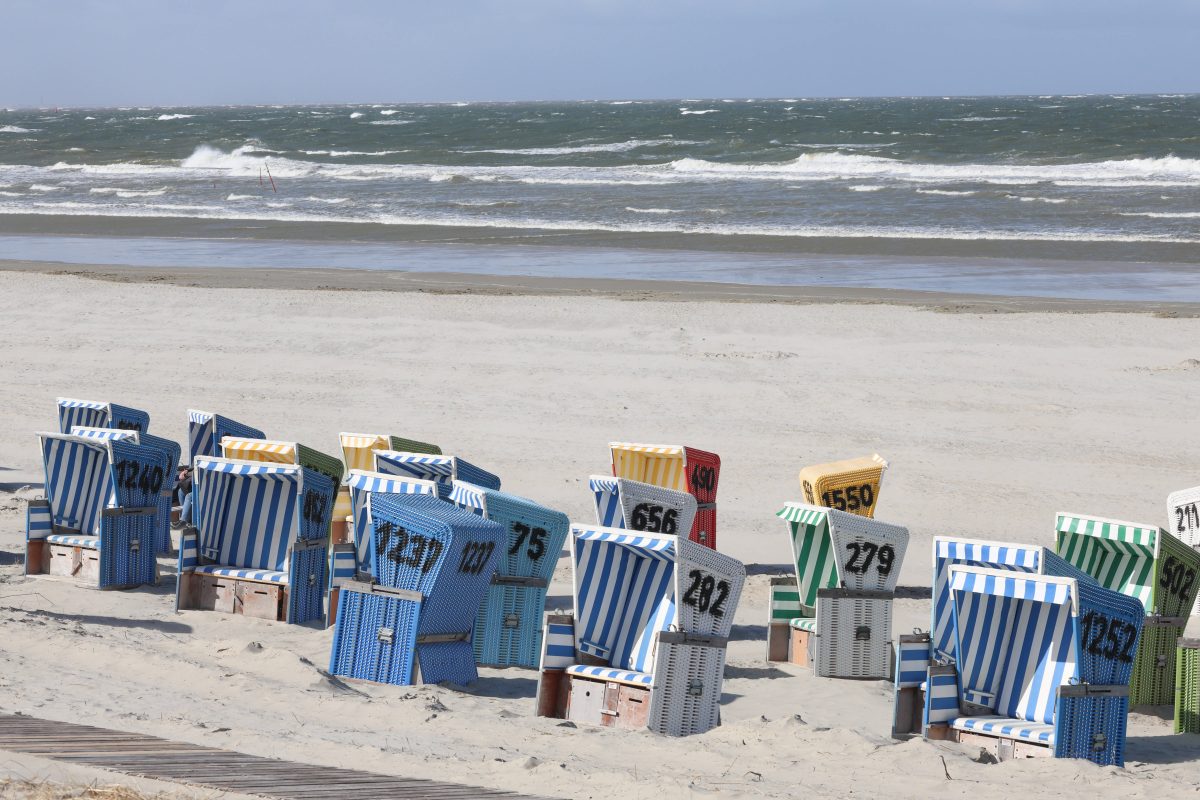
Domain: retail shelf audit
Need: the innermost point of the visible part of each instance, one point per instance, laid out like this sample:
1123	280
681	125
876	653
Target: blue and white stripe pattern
205	431
624	593
941	699
39	523
558	648
1038	733
79	483
103	433
1016	637
912	664
610	674
96	414
92	542
262	575
608	501
246	511
470	497
442	470
362	486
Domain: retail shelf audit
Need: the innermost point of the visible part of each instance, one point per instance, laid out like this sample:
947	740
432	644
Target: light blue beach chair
433	563
508	629
259	544
99	414
98	521
646	644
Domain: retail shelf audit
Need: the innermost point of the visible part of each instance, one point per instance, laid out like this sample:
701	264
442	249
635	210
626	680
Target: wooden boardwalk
210	768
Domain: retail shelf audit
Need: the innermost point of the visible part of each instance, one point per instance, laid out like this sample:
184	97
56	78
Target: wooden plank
151	757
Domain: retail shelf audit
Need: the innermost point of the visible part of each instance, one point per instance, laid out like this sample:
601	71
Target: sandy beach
992	422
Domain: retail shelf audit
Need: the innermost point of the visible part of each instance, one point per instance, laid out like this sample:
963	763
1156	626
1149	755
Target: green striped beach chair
1151	565
835	614
1187	686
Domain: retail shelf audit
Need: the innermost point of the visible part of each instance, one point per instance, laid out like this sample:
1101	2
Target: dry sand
992	423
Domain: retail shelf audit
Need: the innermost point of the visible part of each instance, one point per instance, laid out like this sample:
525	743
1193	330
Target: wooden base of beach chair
175	512
909	709
80	563
1003	748
340	530
778	641
36	553
233	596
607	703
798	647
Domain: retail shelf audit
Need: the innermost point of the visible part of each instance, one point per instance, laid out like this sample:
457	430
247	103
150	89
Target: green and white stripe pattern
785	604
1119	555
812	549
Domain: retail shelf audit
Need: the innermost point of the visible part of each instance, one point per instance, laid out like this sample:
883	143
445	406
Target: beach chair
1187	686
1042	666
1183	521
259	543
508	629
206	430
851	485
637	506
358	452
645	647
683	469
98	522
94	414
440	469
276	452
1145	562
917	653
354	560
172	451
413	625
846	571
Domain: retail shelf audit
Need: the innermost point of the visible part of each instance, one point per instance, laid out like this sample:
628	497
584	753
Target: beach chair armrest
558	642
39	522
189	549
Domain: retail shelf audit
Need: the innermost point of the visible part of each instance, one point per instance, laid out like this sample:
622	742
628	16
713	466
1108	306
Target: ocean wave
126	193
233	196
330	200
14	129
973	119
11	194
387	112
1162	214
1027	199
357	115
866	188
167	117
390	122
946	192
41	187
636	210
613	147
687	111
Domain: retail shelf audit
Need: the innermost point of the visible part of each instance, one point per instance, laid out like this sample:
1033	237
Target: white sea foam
14	129
12	194
127	193
688	111
614	147
330	200
41	187
1163	214
973	119
391	122
233	196
356	115
168	117
866	188
1027	199
651	210
387	112
946	192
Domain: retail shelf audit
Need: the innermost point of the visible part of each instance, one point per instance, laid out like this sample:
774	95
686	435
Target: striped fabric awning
200	434
358	449
441	469
1119	555
1016	639
79	480
246	511
99	414
802	514
104	433
469	496
608	501
661	465
812	550
238	447
624	587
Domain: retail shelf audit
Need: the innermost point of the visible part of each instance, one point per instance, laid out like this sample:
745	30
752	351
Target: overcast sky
179	52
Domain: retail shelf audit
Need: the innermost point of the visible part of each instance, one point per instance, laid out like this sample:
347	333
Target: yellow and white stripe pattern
244	449
660	465
358	449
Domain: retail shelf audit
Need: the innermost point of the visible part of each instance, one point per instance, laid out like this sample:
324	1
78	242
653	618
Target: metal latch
1099	741
1160	661
135	545
862	633
387	636
512	621
695	687
312	580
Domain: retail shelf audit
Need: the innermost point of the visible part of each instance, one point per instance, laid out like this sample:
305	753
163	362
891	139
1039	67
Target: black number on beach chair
475	557
536	538
699	594
132	475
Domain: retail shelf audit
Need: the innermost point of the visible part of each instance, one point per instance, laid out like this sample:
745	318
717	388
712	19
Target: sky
188	52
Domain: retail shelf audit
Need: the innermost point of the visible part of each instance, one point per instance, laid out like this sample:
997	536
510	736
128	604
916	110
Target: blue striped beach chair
97	414
840	599
98	522
645	647
259	543
443	470
433	563
355	560
206	430
1150	564
508	629
916	654
358	452
637	506
172	452
1042	665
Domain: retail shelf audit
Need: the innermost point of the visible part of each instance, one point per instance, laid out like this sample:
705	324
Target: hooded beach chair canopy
634	505
442	470
99	414
358	449
1026	642
363	487
679	468
206	430
280	452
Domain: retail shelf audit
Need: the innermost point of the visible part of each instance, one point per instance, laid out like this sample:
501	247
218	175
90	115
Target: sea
1092	196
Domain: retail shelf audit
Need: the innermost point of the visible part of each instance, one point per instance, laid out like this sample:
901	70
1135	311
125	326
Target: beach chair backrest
277	452
97	414
1141	561
851	485
608	501
206	430
248	513
363	486
1183	521
812	550
1016	639
653	509
79	481
684	469
869	553
708	586
535	534
624	591
358	449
